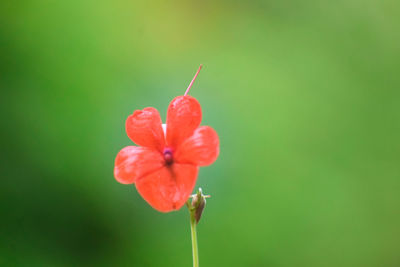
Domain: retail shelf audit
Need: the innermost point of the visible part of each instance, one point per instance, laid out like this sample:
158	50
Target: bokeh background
305	96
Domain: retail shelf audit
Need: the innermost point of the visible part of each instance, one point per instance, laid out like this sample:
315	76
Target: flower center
168	156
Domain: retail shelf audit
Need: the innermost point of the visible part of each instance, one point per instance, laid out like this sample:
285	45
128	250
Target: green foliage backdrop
304	95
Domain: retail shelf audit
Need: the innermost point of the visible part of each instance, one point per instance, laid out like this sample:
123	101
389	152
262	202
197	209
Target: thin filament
194	78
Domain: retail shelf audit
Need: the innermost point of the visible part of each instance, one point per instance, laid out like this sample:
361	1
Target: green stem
193	223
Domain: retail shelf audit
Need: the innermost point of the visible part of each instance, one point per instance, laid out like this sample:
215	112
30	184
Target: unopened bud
198	204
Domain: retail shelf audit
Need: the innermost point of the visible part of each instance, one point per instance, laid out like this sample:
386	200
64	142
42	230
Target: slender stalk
193	223
194	78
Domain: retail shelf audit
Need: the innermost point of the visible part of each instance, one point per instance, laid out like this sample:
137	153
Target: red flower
165	165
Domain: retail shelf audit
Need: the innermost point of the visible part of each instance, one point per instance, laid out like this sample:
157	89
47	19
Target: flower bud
198	204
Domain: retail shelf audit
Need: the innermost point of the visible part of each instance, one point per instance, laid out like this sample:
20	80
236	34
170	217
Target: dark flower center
168	156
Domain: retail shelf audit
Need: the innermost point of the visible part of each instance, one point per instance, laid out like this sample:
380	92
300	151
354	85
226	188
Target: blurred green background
305	96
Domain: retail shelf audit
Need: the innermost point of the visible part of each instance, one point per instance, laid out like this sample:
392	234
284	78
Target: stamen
194	78
168	156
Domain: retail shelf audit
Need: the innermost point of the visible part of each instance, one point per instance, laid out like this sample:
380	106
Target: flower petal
144	128
201	149
168	188
183	117
134	162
